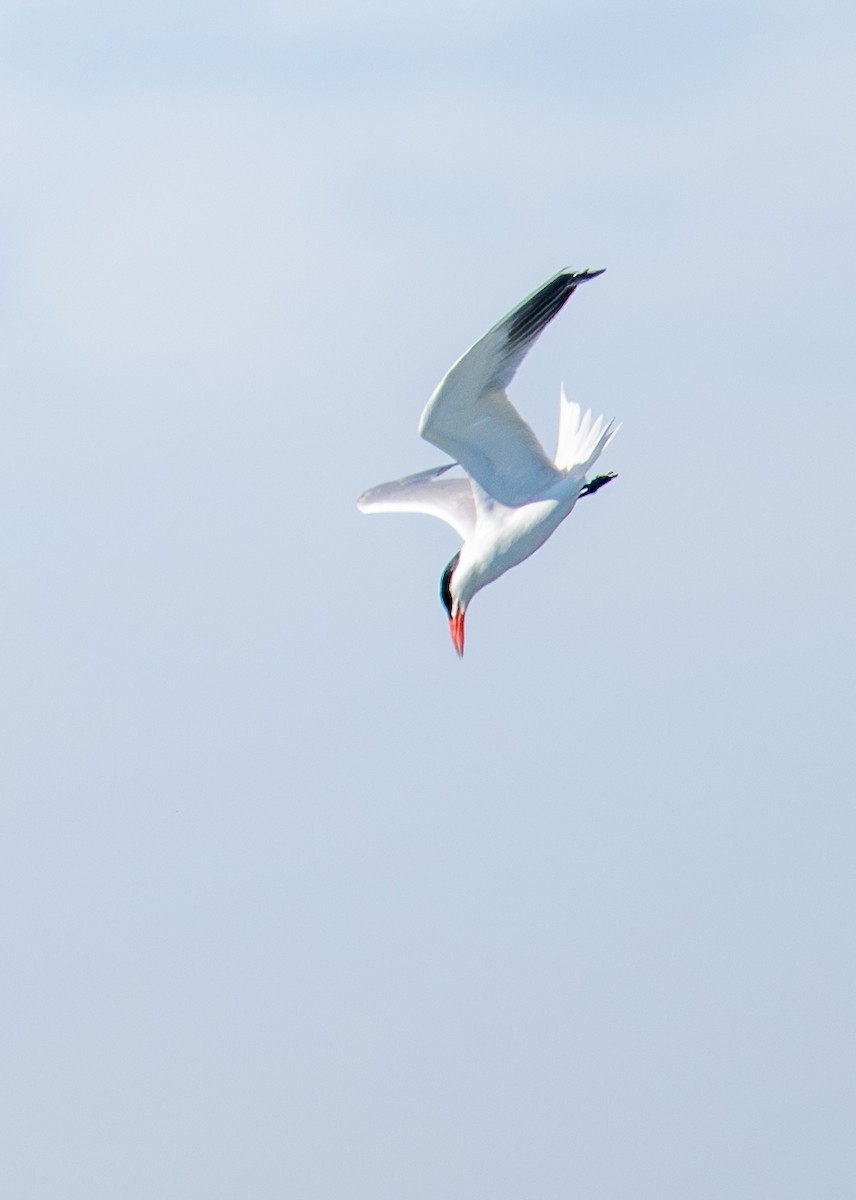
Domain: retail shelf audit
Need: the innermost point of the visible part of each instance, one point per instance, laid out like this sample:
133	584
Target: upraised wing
449	499
469	415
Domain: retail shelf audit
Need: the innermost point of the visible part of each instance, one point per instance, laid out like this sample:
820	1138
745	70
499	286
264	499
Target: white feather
449	499
580	442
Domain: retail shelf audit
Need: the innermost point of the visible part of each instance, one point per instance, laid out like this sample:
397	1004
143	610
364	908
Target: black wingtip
577	275
540	308
598	483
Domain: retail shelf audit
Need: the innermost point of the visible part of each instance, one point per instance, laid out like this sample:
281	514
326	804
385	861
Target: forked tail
581	440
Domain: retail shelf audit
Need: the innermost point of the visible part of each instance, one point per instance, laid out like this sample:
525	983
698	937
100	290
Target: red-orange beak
456	627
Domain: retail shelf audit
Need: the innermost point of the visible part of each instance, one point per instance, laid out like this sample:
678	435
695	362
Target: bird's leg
597	482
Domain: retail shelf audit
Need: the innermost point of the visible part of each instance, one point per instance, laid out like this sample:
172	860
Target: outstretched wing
469	415
449	499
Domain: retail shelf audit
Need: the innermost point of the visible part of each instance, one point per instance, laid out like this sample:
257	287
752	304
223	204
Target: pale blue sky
294	903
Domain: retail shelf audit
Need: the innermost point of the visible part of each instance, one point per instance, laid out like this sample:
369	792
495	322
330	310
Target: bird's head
454	601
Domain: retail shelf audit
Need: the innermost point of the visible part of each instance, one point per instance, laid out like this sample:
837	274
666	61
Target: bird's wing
449	499
471	418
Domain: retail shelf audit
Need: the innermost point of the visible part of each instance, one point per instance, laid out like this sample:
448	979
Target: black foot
598	482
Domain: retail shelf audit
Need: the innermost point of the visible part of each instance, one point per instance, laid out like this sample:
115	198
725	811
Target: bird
511	496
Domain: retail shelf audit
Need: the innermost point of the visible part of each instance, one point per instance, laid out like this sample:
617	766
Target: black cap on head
446	584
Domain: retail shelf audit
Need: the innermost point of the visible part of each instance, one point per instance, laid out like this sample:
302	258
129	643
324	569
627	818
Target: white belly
507	536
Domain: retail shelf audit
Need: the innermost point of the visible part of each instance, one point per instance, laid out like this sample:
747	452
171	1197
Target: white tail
581	440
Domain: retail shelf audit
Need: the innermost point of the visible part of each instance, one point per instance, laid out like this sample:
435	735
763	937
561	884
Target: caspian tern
513	497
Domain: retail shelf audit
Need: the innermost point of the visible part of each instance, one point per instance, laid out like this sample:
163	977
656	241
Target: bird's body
504	536
514	496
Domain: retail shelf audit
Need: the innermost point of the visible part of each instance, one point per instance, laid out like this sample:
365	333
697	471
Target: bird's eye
446	584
